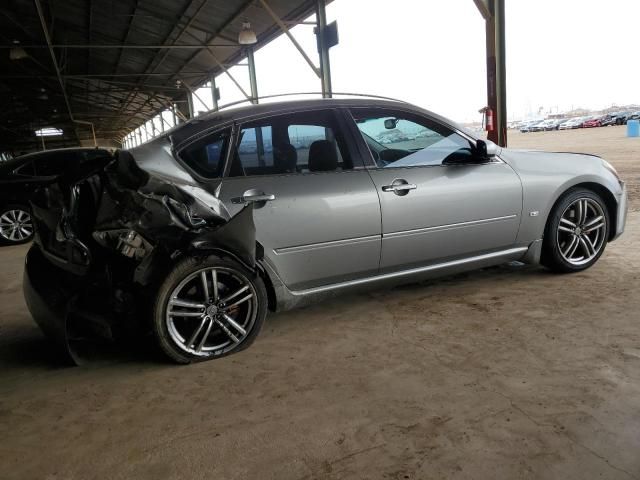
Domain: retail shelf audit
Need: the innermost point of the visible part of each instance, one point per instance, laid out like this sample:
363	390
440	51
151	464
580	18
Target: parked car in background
528	125
621	117
20	175
552	124
572	123
592	122
537	126
632	116
608	120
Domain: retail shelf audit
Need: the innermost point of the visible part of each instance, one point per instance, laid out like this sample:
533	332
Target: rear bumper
49	299
623	207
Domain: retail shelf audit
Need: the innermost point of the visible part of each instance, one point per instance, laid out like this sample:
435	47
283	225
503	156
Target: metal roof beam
184	28
485	7
125	45
286	31
126	36
166	39
54	60
239	11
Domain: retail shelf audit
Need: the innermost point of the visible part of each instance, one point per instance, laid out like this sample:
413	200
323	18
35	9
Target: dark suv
20	175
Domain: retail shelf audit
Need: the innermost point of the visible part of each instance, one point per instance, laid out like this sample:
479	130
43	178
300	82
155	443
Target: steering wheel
376	158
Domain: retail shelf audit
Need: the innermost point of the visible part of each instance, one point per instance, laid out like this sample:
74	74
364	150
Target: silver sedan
269	207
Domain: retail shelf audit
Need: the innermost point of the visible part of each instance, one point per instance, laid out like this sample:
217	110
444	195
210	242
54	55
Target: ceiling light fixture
49	132
246	35
17	52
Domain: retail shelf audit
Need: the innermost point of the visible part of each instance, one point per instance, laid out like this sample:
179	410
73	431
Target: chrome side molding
413	271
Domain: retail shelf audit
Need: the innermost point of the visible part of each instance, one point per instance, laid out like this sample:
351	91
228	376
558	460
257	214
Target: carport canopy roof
119	60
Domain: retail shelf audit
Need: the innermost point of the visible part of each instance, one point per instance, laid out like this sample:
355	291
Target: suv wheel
15	224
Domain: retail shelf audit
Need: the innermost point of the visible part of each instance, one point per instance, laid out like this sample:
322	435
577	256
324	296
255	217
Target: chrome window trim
227	178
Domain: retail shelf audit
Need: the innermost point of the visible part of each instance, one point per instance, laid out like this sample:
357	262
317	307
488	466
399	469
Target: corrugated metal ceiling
117	88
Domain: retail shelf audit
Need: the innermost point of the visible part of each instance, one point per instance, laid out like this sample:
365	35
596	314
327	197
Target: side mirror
485	150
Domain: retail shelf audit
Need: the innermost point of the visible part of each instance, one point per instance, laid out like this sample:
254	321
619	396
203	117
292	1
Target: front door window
402	140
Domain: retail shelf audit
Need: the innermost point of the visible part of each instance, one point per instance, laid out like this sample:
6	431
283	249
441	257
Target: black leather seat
323	156
285	158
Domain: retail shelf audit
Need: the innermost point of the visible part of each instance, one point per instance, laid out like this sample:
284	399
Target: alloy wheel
211	311
16	225
581	231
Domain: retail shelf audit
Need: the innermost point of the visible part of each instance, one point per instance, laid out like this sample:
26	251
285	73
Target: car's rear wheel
577	231
208	308
16	225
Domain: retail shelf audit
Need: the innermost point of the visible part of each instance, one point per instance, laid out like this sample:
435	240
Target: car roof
213	120
12	164
44	153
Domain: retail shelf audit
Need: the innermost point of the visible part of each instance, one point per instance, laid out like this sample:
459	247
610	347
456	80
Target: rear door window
303	142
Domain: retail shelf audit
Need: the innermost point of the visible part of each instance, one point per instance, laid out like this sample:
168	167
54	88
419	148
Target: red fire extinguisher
490	122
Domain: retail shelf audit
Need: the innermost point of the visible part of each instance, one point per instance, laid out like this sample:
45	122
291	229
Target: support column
190	103
492	101
493	11
501	77
213	93
325	67
252	75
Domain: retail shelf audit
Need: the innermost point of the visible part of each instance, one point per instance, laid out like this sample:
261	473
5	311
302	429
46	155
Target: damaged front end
107	234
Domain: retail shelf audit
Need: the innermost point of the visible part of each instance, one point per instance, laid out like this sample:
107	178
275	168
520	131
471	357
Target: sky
561	54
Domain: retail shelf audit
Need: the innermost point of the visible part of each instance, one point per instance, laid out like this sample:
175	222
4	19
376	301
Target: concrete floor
504	373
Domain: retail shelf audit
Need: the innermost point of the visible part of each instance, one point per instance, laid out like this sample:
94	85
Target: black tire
4	235
257	310
552	256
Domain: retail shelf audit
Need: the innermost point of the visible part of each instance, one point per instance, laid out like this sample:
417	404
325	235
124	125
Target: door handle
254	196
399	186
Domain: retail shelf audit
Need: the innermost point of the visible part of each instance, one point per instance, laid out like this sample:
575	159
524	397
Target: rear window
89	155
55	163
206	156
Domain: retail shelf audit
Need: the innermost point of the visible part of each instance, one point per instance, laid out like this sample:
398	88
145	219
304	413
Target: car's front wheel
577	231
208	308
16	225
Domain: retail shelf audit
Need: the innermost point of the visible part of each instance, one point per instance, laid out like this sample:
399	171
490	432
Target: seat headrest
323	156
285	158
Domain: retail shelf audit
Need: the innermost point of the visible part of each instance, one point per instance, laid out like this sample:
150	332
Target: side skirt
288	299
